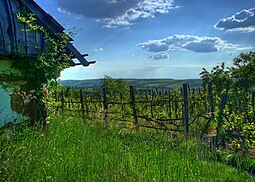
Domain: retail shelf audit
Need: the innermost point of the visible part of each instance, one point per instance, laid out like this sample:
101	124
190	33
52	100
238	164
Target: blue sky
155	38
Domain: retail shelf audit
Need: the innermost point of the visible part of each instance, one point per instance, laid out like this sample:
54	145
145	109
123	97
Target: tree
114	87
243	71
241	75
219	76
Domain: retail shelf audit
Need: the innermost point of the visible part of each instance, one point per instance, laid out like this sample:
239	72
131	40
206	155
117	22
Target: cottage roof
14	41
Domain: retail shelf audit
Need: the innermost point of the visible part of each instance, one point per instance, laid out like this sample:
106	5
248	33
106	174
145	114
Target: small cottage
16	101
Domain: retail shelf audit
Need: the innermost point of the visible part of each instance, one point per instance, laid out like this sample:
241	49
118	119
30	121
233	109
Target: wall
10	82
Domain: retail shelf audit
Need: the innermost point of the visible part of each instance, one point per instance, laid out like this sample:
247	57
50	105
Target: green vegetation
234	86
77	150
141	84
50	62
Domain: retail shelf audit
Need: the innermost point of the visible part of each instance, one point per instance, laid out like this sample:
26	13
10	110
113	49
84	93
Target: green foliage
114	87
142	85
238	117
50	62
240	76
243	71
219	76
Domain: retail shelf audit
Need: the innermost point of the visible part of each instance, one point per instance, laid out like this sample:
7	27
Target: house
15	100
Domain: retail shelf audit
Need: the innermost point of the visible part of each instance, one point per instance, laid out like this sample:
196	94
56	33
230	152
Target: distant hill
168	84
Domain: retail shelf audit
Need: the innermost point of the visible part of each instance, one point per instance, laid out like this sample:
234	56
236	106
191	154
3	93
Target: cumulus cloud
193	43
160	55
114	13
155	46
240	21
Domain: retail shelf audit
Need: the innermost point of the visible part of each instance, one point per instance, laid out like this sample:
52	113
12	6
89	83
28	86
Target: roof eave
54	27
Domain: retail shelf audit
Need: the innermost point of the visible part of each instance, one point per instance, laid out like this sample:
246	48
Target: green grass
74	151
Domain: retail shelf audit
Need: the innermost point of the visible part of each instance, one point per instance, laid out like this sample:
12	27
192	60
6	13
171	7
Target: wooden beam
78	55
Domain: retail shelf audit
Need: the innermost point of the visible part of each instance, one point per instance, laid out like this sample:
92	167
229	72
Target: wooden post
146	99
56	99
186	109
122	105
132	97
220	118
204	88
82	103
62	101
211	100
152	104
168	102
253	100
72	103
176	107
69	103
105	103
169	105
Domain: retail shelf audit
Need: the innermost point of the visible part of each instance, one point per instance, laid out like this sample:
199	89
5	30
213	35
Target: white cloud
98	49
155	45
193	43
160	55
115	13
63	11
240	21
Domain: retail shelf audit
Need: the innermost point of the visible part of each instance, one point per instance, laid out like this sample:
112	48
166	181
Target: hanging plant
49	63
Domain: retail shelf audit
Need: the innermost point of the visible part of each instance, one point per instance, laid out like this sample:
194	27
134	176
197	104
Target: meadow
73	149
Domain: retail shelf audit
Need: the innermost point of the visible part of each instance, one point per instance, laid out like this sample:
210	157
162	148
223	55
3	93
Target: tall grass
76	151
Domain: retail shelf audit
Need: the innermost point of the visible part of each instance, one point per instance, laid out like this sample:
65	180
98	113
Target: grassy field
76	151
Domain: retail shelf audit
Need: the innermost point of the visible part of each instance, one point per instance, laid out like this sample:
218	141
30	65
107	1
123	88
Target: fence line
182	111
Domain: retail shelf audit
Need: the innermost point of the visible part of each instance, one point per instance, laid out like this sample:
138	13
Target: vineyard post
152	105
186	109
253	99
176	107
205	100
220	118
204	86
132	96
211	100
122	105
62	101
146	99
56	99
105	103
169	104
82	103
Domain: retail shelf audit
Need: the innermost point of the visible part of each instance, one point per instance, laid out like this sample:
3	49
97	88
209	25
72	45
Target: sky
154	38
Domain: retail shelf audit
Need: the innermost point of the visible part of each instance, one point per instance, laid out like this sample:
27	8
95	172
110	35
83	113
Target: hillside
169	84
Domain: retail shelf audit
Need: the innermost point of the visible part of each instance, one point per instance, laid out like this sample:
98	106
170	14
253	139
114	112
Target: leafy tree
241	75
243	71
114	87
219	76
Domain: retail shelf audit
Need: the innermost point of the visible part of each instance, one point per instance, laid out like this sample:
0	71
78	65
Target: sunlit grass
74	151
